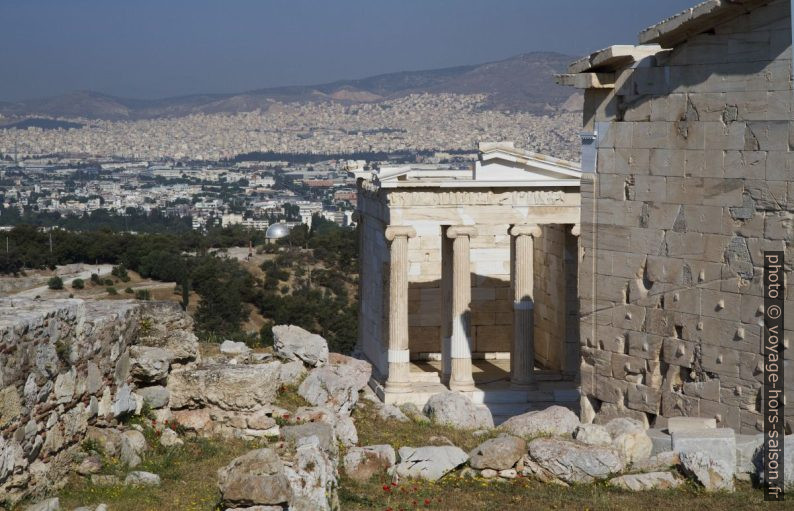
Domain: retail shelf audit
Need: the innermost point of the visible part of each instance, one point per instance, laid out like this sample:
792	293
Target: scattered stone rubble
131	363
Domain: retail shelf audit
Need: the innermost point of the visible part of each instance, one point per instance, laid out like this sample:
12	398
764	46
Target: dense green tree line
311	281
312	288
224	286
134	220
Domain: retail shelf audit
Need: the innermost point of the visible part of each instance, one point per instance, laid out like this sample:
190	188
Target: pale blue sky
158	48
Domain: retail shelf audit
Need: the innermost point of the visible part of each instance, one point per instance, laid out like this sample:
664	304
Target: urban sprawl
252	168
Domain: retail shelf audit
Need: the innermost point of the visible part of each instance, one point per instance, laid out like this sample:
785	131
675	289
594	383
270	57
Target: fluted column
522	358
398	379
461	344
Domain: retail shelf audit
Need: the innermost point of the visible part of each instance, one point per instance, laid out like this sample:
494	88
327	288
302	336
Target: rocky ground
298	428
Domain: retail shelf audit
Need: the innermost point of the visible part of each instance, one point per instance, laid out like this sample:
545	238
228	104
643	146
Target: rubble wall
694	180
68	365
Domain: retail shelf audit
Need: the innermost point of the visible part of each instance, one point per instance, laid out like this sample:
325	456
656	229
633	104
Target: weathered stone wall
69	365
374	296
550	314
694	180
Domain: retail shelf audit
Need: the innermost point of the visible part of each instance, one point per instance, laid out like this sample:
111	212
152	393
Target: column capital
456	231
526	230
576	229
393	231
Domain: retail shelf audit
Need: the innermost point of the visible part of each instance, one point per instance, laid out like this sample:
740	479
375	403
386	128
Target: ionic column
522	358
460	344
398	379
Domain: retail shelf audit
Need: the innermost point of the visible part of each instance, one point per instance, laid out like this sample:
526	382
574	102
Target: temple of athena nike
468	279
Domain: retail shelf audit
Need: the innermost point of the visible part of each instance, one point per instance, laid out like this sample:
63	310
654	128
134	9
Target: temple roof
500	165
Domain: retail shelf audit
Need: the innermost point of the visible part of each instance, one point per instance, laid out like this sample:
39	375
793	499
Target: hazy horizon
147	50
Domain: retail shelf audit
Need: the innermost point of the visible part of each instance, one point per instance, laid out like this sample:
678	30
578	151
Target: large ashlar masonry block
646	241
667	162
707	219
628	317
752	310
727	137
779	226
678	405
722	192
678	424
599	359
740	393
718	443
611	186
719	332
709	390
644	398
750	421
684	244
748	164
626	367
664	269
678	352
683	300
721	361
662	215
769	135
670	107
642	345
636	111
648	188
660	322
611	339
679	190
610	390
613	238
779	165
613	289
719	305
634	161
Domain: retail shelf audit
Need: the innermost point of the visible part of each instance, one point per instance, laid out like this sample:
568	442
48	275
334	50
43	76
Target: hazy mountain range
524	82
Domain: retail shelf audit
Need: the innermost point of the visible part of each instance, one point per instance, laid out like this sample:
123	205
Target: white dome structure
277	231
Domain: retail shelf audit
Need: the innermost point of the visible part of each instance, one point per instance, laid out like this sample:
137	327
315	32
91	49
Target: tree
78	284
55	282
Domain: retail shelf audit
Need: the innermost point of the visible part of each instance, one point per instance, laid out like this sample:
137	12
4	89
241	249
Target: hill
521	83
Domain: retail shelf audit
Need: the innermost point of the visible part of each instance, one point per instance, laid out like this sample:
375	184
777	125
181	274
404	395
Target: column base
397	387
461	380
523	385
399	378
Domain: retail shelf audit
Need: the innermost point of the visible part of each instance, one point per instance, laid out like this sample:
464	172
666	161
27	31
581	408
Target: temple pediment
502	161
499	164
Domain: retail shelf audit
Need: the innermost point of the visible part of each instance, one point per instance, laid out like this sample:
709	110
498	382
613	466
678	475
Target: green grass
287	397
188	474
453	493
189	479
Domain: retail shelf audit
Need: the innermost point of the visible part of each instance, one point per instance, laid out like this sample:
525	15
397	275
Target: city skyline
149	51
